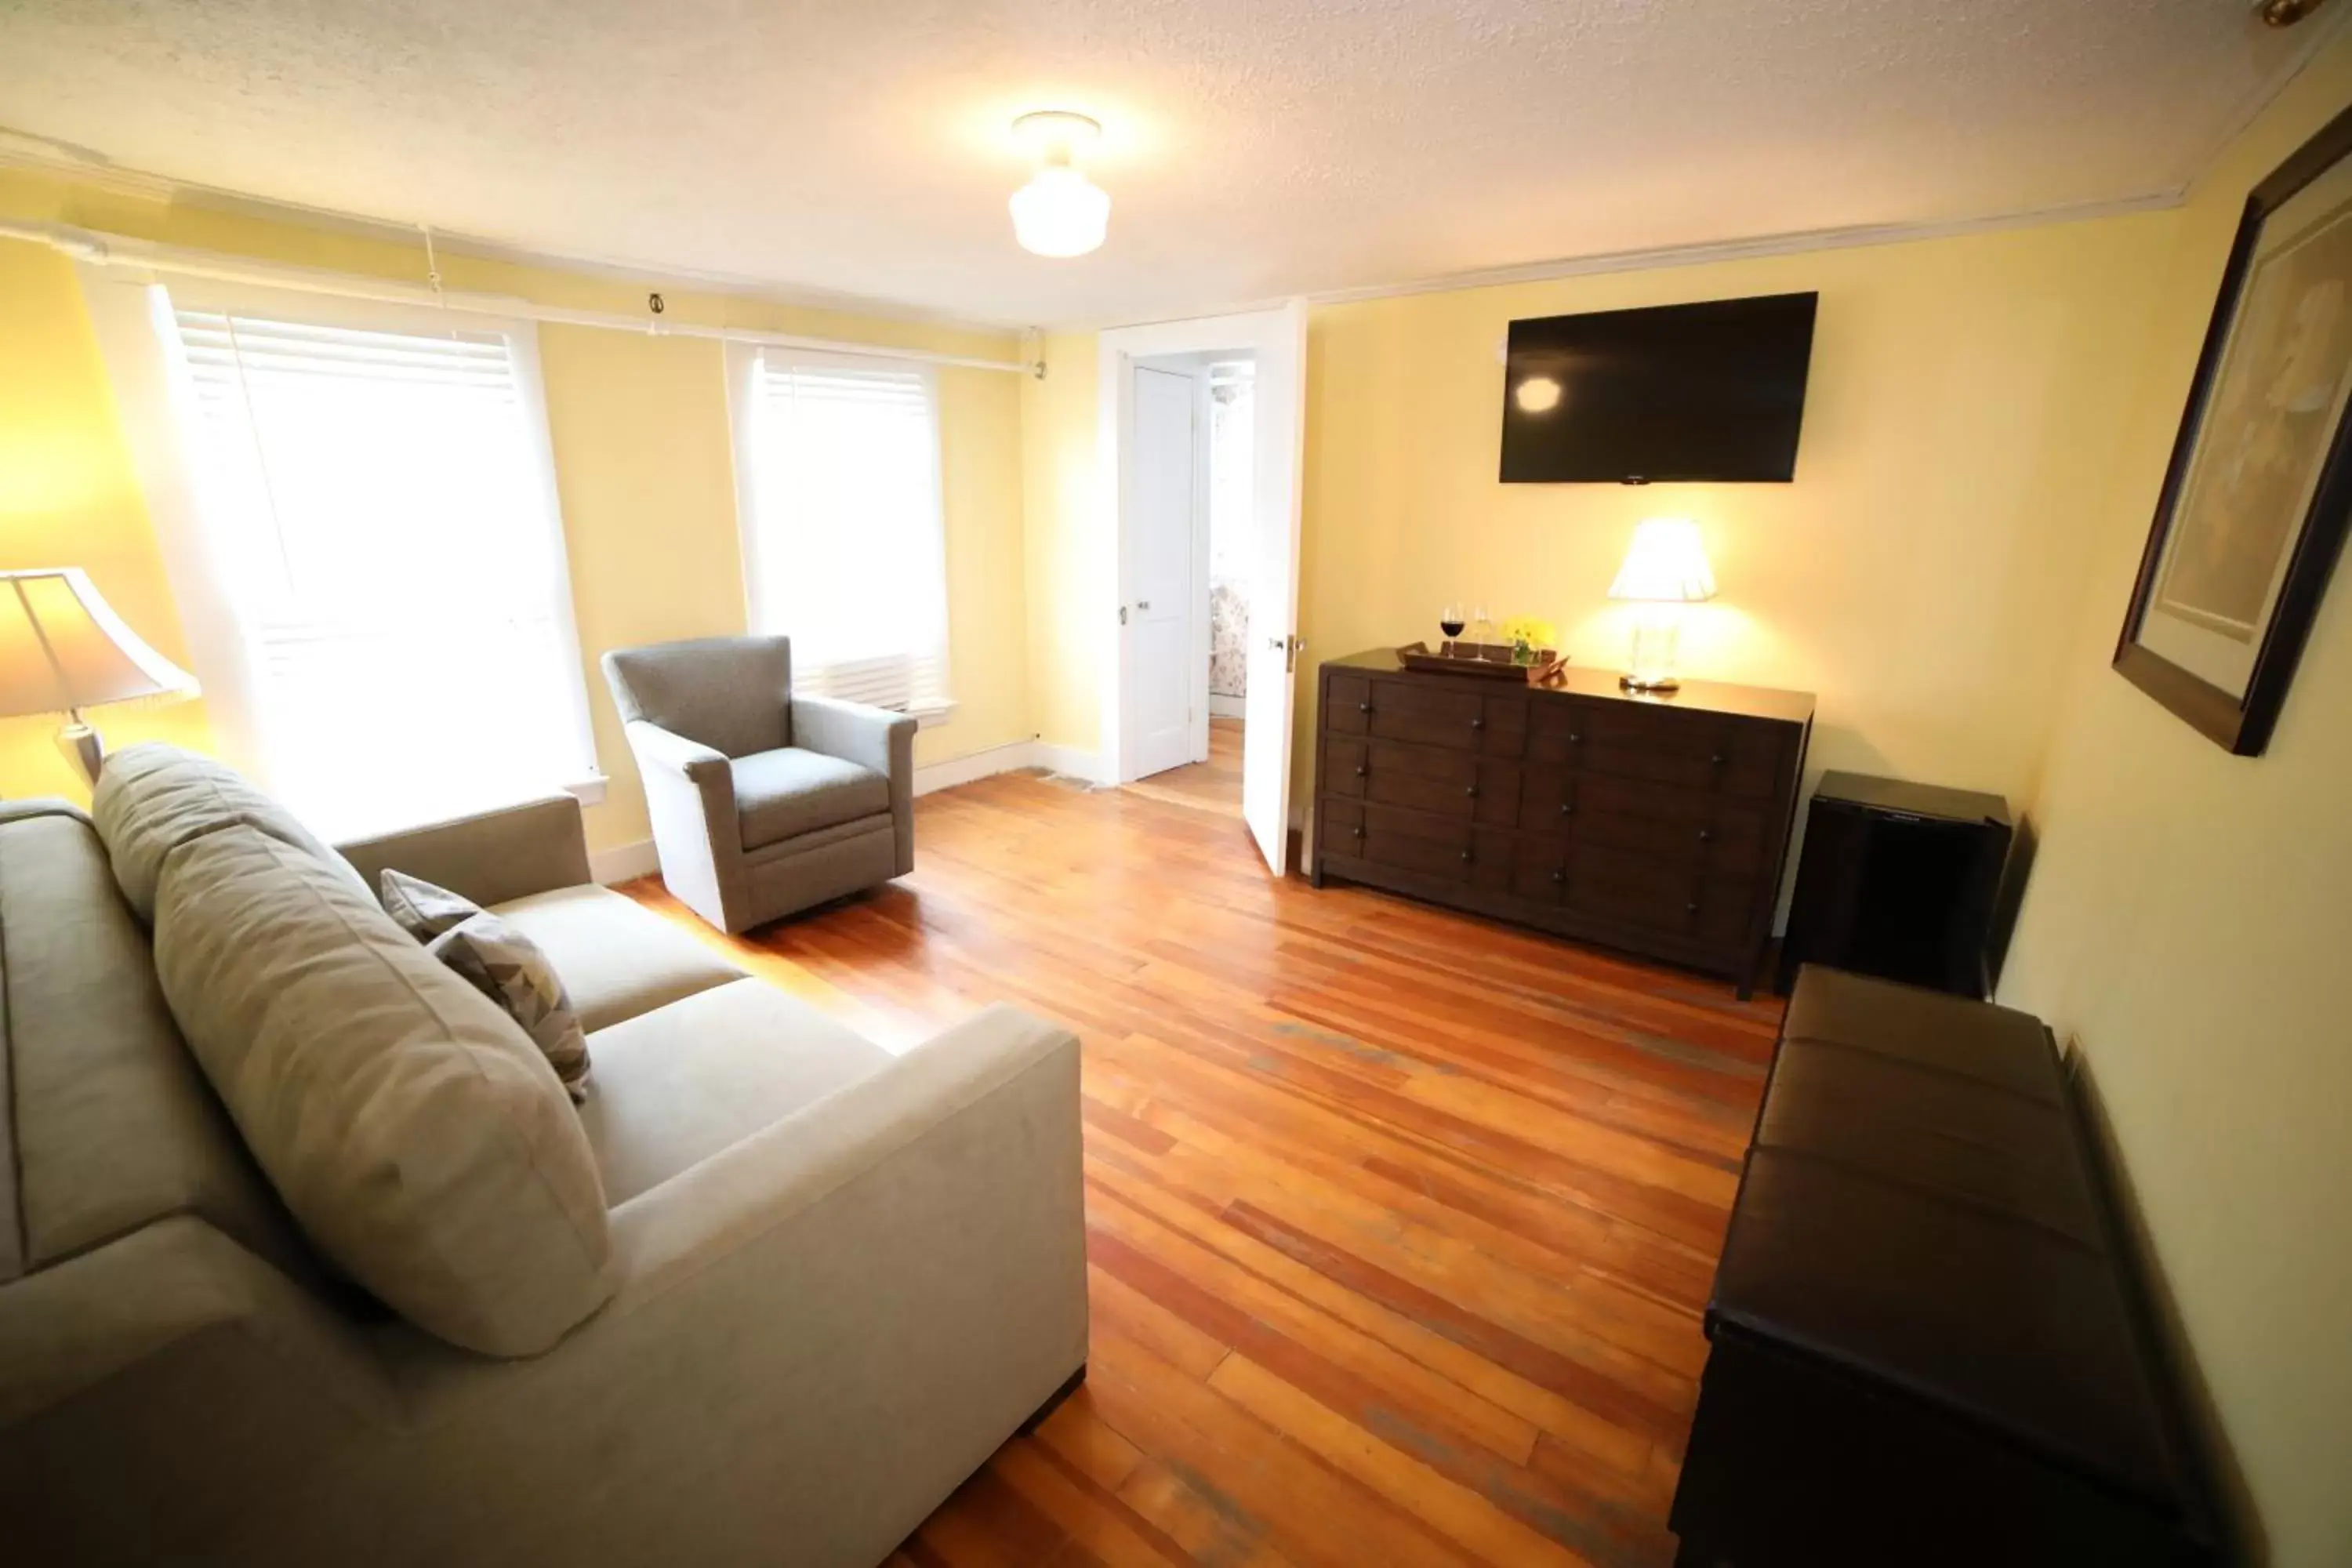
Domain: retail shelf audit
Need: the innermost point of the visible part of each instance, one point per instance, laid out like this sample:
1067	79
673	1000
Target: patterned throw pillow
508	967
422	909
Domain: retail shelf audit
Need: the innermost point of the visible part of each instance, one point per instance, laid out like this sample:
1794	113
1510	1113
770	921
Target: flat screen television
1712	391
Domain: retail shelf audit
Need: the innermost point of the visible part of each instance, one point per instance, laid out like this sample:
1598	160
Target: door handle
1289	648
1142	604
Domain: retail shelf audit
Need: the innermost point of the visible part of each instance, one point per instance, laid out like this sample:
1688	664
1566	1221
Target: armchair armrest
690	795
489	856
667	748
875	739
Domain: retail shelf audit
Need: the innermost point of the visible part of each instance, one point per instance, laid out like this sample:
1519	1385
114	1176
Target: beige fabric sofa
763	803
305	1258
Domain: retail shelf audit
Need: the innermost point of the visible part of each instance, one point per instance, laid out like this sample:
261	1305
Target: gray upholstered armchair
763	803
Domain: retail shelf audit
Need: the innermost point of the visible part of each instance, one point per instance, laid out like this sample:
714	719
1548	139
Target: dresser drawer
1430	778
1423	843
1345	767
1661	745
1693	829
1449	716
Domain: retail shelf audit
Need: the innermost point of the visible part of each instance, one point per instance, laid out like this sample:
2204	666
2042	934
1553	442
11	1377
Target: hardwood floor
1212	785
1400	1223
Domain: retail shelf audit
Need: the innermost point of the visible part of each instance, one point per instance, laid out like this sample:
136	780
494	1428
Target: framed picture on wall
2254	505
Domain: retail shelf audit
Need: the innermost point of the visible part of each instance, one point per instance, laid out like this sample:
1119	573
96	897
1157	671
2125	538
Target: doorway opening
1194	476
1204	420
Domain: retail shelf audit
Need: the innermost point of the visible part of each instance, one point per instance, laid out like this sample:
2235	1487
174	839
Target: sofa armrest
875	739
489	856
858	1304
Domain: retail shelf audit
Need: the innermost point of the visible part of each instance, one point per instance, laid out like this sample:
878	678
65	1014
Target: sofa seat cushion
785	793
153	798
617	958
676	1086
418	1136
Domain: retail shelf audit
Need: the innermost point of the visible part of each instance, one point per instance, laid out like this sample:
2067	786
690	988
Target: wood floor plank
1400	1222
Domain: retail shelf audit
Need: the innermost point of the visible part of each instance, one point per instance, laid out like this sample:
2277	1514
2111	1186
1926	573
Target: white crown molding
38	155
2318	31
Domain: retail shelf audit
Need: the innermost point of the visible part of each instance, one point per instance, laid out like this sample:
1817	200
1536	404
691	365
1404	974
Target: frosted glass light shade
1665	563
1060	211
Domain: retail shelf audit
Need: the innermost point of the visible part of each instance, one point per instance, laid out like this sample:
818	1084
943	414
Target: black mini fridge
1900	880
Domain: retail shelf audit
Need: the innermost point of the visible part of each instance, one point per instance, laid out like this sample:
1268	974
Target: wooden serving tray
1492	660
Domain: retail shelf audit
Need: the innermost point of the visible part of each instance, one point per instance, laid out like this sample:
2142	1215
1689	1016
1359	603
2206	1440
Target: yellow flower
1531	630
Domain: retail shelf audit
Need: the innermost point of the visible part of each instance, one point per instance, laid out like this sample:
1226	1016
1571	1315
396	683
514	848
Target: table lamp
1665	569
63	648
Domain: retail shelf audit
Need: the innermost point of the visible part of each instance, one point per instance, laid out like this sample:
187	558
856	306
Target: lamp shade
1666	563
63	648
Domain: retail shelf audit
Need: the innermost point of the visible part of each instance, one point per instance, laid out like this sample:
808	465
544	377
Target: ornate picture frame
2255	502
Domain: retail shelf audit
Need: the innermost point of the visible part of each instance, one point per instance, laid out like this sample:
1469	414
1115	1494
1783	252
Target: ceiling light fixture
1059	212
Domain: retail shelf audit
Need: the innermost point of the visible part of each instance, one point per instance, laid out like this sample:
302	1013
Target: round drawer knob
1718	758
1706	835
1362	771
1560	875
1471	790
1574	738
1691	908
1477	724
1465	857
1567	808
1363	706
1357	831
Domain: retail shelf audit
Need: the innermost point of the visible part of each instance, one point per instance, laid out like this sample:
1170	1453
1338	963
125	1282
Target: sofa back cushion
106	1124
152	799
417	1135
732	694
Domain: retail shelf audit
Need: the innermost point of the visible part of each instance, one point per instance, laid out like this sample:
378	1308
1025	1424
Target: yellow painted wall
1069	529
1918	576
68	497
643	465
2188	922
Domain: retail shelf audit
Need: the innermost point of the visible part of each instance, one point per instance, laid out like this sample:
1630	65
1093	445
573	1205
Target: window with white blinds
843	543
379	507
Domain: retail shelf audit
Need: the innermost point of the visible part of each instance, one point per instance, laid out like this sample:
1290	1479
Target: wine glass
1482	631
1449	621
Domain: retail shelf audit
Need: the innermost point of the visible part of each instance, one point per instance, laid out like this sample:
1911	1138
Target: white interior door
1278	434
1160	580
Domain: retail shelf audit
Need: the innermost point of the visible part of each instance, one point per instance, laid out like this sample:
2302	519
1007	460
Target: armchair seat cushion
785	793
677	1085
616	957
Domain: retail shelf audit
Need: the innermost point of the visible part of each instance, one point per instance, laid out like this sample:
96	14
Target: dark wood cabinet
1654	823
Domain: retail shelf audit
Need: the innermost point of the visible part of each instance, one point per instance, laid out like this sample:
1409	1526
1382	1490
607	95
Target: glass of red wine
1450	621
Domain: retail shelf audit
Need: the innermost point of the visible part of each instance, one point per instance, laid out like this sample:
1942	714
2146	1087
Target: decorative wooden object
1491	660
1654	823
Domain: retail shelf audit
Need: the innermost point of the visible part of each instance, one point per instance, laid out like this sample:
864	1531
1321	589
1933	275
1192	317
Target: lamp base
1655	637
80	742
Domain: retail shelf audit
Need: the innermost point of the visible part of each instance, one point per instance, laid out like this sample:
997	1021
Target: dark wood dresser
1656	824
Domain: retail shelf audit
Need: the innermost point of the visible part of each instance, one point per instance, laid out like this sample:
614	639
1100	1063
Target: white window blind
380	508
844	547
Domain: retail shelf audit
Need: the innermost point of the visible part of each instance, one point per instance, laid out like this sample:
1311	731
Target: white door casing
1279	432
1277	340
1159	598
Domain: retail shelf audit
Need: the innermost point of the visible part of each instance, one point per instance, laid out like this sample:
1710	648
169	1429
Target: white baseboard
1070	762
979	764
624	862
1223	707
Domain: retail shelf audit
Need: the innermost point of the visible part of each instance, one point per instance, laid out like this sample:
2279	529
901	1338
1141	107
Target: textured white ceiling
1253	148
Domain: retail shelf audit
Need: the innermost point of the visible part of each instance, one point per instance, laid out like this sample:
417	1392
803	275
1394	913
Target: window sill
937	714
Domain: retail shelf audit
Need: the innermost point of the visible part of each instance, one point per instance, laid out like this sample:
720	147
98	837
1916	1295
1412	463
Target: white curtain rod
122	251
